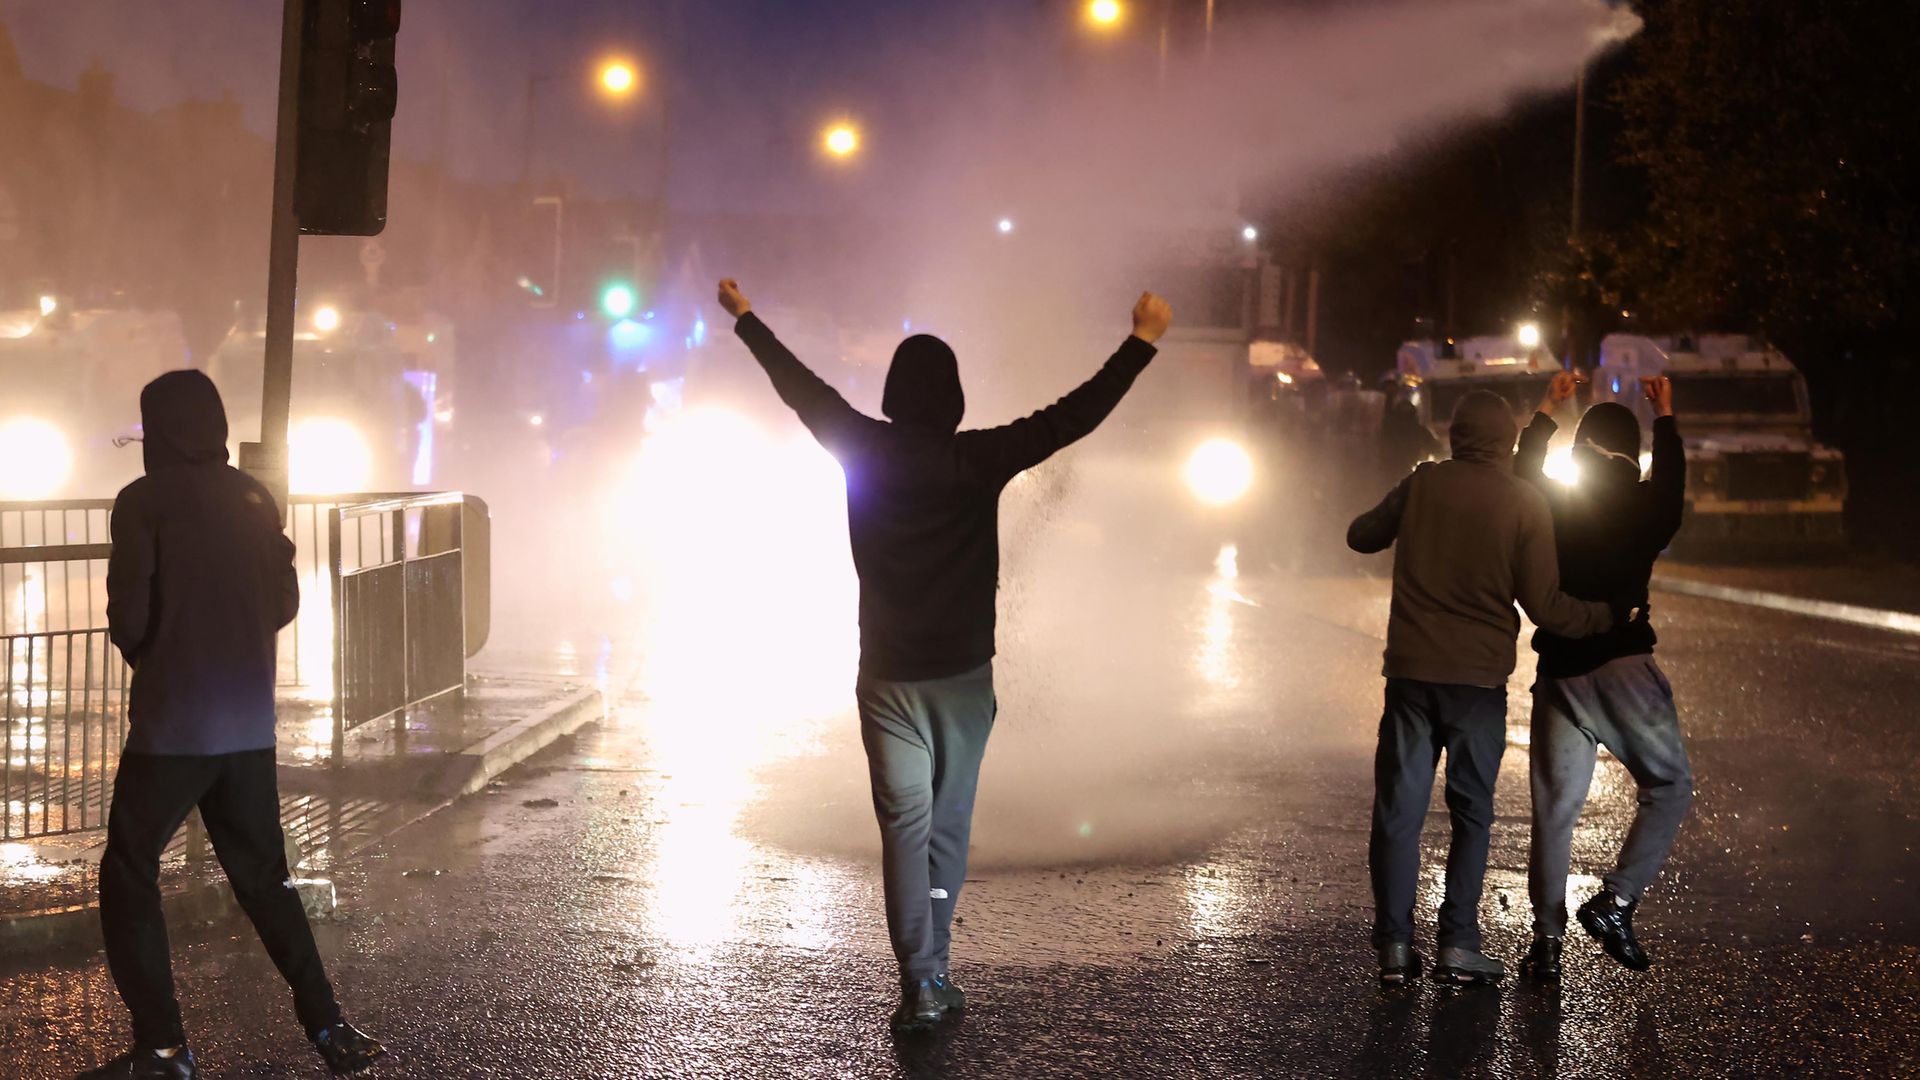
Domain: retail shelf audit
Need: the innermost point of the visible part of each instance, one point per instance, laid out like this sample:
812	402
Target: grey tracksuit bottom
1625	705
924	742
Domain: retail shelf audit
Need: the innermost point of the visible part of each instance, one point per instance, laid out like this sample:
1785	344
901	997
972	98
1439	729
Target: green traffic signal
617	300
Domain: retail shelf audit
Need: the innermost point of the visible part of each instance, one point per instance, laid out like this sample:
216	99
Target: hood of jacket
182	421
1483	429
1612	427
923	386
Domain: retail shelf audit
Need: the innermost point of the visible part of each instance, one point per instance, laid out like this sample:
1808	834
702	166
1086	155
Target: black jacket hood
923	386
1612	427
182	421
1483	429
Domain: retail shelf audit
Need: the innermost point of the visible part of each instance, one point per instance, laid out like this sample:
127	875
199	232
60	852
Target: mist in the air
1022	179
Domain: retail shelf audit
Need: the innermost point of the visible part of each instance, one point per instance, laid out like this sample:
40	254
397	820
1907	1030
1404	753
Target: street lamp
1105	14
841	140
618	78
1006	226
1529	335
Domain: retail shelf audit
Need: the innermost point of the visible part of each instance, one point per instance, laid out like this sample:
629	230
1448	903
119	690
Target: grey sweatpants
924	744
1627	706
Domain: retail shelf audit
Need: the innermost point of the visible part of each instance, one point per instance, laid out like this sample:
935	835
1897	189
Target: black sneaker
920	1007
1612	926
951	997
347	1049
1542	962
148	1065
1399	964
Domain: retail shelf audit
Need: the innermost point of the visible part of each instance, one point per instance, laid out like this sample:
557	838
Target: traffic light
348	89
617	300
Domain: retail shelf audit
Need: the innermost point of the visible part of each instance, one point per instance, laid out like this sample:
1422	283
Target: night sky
756	80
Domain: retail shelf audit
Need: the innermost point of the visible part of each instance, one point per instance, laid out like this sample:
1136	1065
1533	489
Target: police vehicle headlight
35	459
1219	471
328	457
1560	466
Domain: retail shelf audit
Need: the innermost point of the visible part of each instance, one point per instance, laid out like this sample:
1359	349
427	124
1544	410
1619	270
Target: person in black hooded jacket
1606	690
923	515
200	581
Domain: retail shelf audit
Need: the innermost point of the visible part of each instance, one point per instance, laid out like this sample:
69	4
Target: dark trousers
238	797
925	741
1422	719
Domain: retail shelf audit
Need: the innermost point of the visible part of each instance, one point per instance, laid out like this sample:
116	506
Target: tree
1778	140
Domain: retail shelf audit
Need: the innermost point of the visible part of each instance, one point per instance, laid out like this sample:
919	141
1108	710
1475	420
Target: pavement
1168	876
393	773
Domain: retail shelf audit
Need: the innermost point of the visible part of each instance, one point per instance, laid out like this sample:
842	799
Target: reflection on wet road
1168	876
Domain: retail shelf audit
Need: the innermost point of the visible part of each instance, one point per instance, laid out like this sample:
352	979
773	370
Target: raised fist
1151	317
732	299
1561	390
1659	391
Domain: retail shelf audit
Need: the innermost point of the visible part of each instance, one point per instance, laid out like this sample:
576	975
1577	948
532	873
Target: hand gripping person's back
1469	539
923	514
200	581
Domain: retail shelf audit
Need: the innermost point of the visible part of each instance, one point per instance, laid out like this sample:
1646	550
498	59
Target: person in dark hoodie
923	514
200	581
1469	539
1609	527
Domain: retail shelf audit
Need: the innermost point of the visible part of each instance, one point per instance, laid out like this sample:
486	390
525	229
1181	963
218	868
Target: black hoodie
1608	528
1469	538
923	498
200	581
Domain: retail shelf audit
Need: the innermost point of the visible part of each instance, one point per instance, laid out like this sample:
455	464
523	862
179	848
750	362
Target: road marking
1898	621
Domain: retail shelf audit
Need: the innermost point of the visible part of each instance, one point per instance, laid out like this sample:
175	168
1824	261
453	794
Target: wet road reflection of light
1214	658
748	651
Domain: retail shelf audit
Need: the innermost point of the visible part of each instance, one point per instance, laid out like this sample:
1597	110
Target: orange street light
1105	14
841	140
619	78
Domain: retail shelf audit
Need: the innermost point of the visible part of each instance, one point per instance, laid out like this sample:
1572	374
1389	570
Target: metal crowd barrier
399	607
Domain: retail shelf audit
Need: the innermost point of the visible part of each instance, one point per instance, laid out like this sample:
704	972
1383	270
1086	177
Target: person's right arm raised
820	407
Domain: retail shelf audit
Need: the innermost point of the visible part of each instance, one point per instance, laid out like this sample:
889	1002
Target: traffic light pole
266	460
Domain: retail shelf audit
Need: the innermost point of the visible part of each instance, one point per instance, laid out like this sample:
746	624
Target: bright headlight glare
328	457
35	459
1219	471
1560	466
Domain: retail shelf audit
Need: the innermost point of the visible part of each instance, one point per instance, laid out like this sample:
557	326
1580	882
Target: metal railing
65	717
406	604
399	607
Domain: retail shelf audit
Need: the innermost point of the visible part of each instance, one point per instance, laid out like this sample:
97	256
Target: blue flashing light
629	336
699	331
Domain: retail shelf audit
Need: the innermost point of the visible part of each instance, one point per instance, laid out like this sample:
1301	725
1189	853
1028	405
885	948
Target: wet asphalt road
1168	877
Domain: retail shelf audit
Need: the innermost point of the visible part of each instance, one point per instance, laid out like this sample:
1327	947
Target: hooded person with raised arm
923	503
1469	538
1609	527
